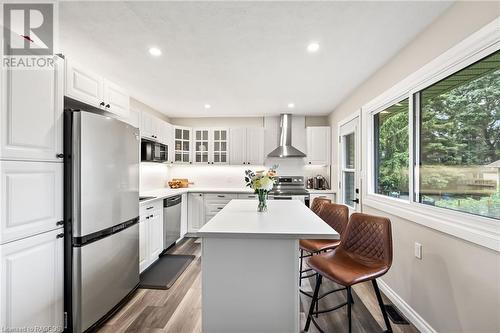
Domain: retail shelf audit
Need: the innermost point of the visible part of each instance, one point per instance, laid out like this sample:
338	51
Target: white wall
456	287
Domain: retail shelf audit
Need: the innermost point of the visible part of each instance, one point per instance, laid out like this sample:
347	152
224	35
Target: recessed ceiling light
207	106
154	51
291	105
313	47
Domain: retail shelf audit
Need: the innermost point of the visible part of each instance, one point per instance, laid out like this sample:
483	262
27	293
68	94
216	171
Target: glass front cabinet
211	146
182	145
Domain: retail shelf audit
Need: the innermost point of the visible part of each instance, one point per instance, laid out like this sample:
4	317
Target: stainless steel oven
290	188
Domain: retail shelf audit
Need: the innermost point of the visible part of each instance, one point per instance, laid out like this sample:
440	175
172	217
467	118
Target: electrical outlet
418	250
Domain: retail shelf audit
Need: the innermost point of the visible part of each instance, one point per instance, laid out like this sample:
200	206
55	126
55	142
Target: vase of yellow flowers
262	183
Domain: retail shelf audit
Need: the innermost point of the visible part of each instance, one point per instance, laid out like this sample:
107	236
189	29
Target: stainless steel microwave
152	151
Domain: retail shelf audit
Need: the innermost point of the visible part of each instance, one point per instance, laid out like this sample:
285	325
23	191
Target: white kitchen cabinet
168	139
85	86
117	100
182	144
144	257
134	118
211	145
255	146
156	234
150	233
247	146
196	212
146	125
184	215
318	145
31	109
31	282
247	196
31	195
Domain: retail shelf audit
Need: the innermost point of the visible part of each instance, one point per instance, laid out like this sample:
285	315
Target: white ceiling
243	58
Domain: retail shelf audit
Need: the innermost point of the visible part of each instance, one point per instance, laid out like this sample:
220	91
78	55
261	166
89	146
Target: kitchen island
250	266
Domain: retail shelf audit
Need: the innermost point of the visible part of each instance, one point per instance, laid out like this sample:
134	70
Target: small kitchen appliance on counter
320	183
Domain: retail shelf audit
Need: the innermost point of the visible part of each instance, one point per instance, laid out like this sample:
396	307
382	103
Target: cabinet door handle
219	208
101	104
149	208
151	216
108	106
147	217
60	235
221	196
60	155
59	222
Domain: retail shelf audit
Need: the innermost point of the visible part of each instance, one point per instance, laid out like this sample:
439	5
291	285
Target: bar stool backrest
337	216
368	238
318	203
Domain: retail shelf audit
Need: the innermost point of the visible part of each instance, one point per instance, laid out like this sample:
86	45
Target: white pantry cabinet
318	145
31	195
196	212
31	109
150	233
247	146
31	282
184	215
85	86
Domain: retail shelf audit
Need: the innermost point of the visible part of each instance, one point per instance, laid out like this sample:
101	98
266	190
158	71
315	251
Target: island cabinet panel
150	233
196	212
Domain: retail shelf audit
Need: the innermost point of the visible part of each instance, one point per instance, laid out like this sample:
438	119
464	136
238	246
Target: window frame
480	230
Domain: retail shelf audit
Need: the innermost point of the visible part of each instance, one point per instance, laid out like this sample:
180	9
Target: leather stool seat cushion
316	245
345	269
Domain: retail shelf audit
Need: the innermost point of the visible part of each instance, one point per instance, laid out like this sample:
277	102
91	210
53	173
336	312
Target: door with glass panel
182	146
201	146
349	189
220	146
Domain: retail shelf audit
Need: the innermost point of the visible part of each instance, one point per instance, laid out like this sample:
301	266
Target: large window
391	151
459	141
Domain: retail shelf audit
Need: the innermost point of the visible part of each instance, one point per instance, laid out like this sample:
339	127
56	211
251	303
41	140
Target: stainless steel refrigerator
101	216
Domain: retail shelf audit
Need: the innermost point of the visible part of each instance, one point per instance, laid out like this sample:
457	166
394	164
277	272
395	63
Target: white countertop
284	219
313	191
166	192
163	193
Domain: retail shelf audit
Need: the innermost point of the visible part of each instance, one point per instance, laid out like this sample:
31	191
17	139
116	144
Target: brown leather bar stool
334	215
318	203
364	254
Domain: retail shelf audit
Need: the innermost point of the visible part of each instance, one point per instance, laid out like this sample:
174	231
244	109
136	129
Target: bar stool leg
313	301
349	304
382	307
300	271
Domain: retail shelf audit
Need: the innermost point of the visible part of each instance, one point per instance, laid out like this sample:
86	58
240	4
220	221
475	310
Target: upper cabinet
182	144
211	146
318	145
88	87
247	146
31	123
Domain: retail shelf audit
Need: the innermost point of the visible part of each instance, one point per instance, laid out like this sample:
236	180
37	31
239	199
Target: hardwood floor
178	310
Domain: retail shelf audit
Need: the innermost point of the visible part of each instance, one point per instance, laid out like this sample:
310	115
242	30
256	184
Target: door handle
59	222
60	236
355	201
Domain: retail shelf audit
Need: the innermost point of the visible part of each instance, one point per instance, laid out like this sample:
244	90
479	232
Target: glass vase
262	207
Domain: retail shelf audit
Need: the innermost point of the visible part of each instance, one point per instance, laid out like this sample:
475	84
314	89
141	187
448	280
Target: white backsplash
153	176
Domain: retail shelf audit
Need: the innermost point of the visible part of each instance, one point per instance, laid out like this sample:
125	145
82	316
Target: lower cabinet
31	283
150	233
196	212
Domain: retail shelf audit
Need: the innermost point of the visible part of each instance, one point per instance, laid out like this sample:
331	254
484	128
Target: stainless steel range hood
285	148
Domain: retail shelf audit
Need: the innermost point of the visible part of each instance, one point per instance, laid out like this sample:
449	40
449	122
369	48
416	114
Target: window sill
476	229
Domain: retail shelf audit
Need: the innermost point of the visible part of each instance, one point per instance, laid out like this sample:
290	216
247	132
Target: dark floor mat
165	271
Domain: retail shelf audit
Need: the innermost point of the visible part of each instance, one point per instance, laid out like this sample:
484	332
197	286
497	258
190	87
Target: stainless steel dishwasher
171	220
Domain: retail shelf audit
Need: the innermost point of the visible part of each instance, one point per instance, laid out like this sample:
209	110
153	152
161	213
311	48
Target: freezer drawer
104	272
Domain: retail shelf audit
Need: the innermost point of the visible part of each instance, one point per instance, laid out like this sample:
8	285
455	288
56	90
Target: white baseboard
407	310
